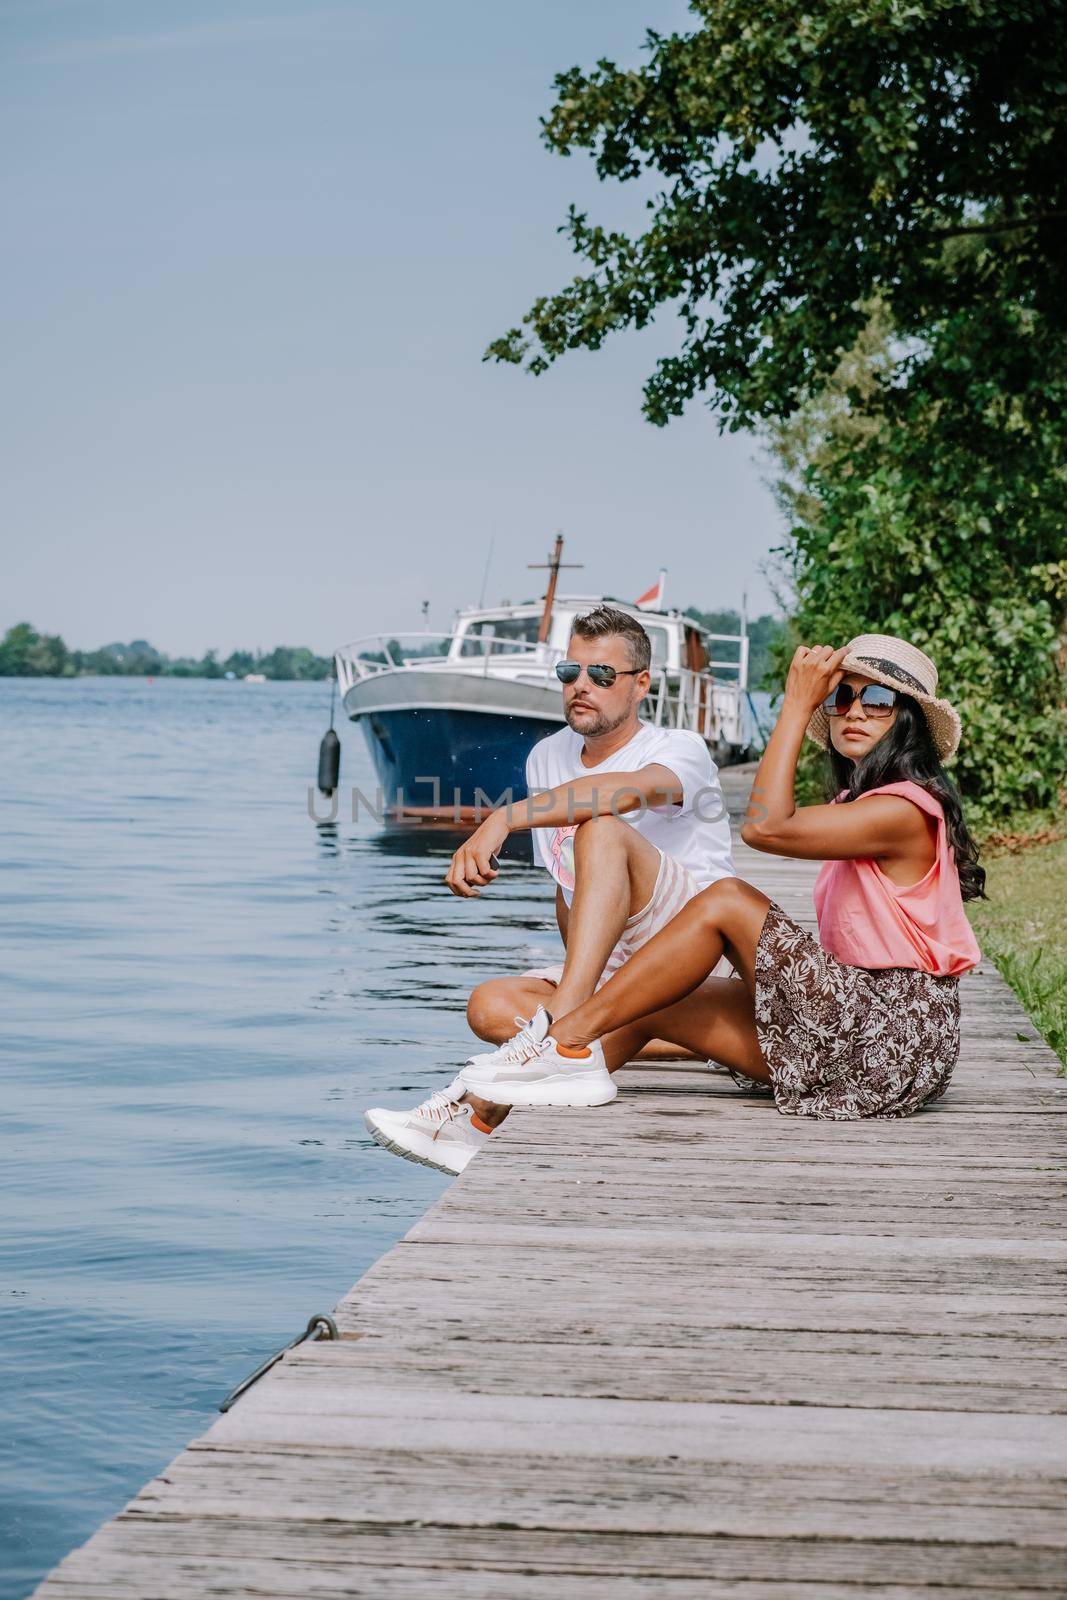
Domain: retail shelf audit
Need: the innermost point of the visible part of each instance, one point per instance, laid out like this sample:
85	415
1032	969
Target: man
629	820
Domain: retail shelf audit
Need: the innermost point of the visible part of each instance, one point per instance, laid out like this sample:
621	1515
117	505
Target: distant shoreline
25	653
150	677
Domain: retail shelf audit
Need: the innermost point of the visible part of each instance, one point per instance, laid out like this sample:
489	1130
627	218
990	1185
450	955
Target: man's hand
470	869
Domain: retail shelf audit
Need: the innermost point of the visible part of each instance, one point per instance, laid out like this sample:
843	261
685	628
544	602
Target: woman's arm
882	826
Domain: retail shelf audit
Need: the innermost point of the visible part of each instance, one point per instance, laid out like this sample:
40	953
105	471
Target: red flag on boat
652	599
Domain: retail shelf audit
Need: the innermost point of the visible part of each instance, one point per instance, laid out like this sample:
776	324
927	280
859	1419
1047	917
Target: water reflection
328	837
440	839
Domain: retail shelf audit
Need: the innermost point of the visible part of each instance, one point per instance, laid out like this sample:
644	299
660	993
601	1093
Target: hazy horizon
255	255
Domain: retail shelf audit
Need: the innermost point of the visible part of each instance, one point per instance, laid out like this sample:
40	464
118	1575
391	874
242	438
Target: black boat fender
330	751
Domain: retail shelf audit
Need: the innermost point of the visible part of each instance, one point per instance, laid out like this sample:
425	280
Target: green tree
25	653
294	662
143	658
121	660
14	649
860	224
240	662
98	663
814	158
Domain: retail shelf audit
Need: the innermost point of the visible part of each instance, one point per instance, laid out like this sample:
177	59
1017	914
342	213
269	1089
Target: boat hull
449	746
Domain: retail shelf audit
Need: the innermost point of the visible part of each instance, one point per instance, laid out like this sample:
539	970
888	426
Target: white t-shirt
696	833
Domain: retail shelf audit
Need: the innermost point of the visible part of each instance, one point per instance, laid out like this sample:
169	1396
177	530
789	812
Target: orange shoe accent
482	1127
573	1053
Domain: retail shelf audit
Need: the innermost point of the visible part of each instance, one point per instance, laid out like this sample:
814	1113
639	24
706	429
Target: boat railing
389	652
686	699
738	663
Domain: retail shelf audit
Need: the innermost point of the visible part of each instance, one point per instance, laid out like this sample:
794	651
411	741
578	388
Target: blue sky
254	254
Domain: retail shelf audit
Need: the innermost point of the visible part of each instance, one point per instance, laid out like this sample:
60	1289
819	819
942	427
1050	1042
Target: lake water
200	990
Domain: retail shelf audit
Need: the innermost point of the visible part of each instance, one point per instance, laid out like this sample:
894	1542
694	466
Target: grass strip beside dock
1023	929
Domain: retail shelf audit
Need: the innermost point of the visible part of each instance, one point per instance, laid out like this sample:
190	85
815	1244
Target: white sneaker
439	1133
555	1076
522	1046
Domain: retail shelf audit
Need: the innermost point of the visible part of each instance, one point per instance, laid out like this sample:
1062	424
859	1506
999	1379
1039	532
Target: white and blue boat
450	718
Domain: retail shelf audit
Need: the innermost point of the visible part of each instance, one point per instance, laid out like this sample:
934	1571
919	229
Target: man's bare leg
495	1004
615	872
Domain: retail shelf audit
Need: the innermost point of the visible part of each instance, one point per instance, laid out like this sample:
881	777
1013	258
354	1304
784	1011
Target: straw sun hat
898	665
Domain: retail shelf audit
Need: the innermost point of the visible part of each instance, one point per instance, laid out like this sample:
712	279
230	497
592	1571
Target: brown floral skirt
848	1042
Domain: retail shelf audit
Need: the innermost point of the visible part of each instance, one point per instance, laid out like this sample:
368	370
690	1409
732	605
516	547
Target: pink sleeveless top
866	920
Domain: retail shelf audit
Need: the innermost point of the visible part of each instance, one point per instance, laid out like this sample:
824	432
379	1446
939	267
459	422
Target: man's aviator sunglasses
599	673
875	698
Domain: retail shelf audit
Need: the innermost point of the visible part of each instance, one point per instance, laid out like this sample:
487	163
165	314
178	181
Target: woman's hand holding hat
814	672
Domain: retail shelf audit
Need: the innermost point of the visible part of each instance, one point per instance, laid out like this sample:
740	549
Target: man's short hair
605	621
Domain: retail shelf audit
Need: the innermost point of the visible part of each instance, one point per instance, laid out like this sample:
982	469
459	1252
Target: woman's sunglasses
875	698
599	673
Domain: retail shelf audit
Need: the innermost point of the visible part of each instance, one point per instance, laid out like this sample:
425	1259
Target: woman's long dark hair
907	754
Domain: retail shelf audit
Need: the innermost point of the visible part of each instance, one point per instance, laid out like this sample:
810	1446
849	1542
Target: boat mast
552	566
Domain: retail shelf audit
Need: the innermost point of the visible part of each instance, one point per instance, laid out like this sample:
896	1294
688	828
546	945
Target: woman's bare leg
491	1013
716	1022
726	919
494	1005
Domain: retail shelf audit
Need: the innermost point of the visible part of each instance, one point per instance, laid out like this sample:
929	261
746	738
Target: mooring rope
319	1327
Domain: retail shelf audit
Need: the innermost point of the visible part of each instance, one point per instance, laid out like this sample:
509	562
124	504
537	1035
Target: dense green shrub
935	509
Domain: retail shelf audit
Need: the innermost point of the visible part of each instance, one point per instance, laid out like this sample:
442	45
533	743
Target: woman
863	1022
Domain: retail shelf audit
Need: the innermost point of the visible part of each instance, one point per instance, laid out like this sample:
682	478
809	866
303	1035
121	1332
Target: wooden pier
681	1347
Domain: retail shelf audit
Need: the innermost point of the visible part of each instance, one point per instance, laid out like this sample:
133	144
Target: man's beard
599	725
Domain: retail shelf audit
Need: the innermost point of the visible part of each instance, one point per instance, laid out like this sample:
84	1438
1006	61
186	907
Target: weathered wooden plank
827	1436
364	1581
322	1549
460	1488
727	1366
772	1309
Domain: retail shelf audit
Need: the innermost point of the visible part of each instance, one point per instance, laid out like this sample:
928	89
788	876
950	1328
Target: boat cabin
677	642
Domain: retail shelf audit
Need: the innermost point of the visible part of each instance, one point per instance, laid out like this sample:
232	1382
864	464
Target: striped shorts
675	887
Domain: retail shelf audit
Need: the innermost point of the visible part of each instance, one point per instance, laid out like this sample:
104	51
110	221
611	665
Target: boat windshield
498	635
658	640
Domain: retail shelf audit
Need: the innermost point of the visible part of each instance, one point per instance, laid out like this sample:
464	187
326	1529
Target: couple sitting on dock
630	821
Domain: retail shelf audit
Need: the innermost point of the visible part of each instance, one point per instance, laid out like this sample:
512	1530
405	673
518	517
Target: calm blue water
199	992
